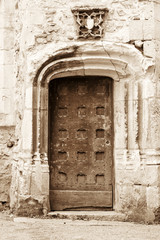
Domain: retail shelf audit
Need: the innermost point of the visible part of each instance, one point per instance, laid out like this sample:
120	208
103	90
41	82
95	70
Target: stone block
5	106
138	205
132	200
157	215
154	124
149	48
7	119
120	35
148	29
1	76
7	41
157	11
136	30
120	124
152	197
147	10
141	29
35	185
27	130
2	56
158	87
28	97
158	175
9	6
1	20
151	175
6	57
157	32
4	189
30	39
7	80
157	49
28	206
36	180
1	39
6	20
148	90
6	133
119	91
44	97
125	176
45	183
35	17
5	180
139	176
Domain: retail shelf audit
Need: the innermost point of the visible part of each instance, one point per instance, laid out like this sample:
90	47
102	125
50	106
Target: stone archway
117	62
128	69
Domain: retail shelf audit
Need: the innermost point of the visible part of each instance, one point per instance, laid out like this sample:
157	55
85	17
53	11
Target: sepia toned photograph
80	120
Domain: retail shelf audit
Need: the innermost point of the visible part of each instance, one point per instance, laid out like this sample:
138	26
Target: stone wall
7	142
7	99
45	31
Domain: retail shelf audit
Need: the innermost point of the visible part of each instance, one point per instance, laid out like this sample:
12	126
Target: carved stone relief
90	22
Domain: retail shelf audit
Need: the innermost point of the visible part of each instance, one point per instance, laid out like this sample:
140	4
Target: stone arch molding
117	61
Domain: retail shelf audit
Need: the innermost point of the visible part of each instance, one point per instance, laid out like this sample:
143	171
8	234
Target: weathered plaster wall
44	28
46	22
7	85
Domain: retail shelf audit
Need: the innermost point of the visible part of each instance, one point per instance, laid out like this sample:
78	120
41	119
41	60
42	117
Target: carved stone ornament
90	21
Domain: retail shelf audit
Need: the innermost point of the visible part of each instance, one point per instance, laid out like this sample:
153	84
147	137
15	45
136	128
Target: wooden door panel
62	199
80	141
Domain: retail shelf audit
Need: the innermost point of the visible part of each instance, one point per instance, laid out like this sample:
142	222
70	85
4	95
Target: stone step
88	215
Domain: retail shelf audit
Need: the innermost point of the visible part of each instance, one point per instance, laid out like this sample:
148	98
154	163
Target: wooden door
80	149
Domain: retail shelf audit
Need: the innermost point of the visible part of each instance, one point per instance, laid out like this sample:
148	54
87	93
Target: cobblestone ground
54	229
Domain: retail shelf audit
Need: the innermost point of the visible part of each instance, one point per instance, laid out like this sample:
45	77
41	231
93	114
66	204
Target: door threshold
88	215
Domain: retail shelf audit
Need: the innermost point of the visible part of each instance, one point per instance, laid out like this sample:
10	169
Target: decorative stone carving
35	158
44	158
39	157
90	21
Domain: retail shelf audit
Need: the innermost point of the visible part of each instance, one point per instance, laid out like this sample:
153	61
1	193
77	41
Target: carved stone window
90	21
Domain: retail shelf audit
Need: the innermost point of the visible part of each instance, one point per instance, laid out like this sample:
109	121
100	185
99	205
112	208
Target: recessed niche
99	156
62	155
100	179
100	133
100	110
81	178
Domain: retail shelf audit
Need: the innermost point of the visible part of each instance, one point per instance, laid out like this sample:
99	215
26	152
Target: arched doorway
127	68
81	143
